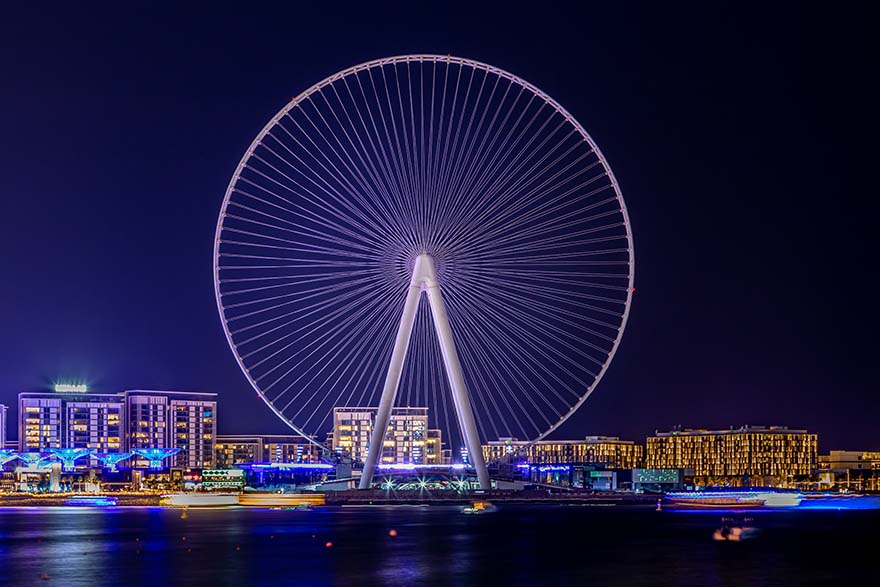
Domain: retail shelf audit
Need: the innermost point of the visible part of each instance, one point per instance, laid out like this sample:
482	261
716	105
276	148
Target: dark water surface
434	546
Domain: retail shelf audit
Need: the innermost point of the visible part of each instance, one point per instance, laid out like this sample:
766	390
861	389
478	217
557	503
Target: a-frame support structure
424	279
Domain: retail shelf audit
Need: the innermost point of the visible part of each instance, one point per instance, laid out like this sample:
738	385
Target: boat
733	530
91	501
198	500
479	507
733	499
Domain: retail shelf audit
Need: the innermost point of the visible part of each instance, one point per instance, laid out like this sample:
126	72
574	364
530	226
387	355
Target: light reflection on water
433	546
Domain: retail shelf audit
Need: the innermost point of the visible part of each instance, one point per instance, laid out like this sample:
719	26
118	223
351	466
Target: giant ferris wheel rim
422	58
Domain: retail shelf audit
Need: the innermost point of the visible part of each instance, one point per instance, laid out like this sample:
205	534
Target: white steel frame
424	279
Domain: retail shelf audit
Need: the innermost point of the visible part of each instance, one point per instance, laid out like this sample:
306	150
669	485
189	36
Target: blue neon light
156	455
69	456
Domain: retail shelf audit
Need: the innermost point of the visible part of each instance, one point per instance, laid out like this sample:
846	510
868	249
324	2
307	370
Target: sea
435	545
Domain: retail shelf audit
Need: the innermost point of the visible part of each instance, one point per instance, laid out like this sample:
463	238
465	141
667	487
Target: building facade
751	455
236	449
610	451
120	422
854	470
174	419
408	439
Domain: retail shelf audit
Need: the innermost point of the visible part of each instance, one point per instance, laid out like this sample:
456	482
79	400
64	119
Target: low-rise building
854	470
610	451
746	456
265	448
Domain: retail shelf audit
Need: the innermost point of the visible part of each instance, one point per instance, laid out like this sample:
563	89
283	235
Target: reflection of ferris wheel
412	174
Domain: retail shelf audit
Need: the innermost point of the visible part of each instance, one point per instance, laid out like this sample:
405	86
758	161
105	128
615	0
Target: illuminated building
39	422
407	440
609	451
70	420
194	430
772	456
236	449
854	470
172	419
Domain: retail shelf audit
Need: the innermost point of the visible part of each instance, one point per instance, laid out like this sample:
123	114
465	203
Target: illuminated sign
70	388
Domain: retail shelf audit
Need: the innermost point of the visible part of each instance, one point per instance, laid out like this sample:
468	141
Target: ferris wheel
434	175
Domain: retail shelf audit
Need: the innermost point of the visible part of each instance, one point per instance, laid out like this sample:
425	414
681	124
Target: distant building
610	451
850	469
751	455
408	439
235	449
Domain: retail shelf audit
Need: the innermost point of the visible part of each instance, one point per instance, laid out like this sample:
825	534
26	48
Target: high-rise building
751	455
407	440
174	419
234	449
610	451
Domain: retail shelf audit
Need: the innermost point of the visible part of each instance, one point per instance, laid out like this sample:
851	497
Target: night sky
740	137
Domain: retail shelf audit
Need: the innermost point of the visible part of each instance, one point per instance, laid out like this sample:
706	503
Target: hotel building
751	455
610	451
72	417
235	449
408	439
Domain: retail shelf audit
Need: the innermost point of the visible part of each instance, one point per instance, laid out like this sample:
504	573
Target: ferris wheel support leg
456	381
392	381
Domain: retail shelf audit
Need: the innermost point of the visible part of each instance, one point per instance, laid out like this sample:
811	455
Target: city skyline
719	332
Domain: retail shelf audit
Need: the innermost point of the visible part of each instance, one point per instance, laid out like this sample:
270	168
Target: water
574	545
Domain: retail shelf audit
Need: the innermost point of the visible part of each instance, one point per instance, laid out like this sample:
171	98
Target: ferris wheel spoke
359	207
345	328
540	220
559	313
331	357
384	162
393	146
490	201
378	215
466	323
514	312
304	230
391	171
382	183
448	155
304	331
402	158
314	293
478	385
485	149
456	160
481	354
353	216
496	171
363	346
515	212
514	334
303	247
